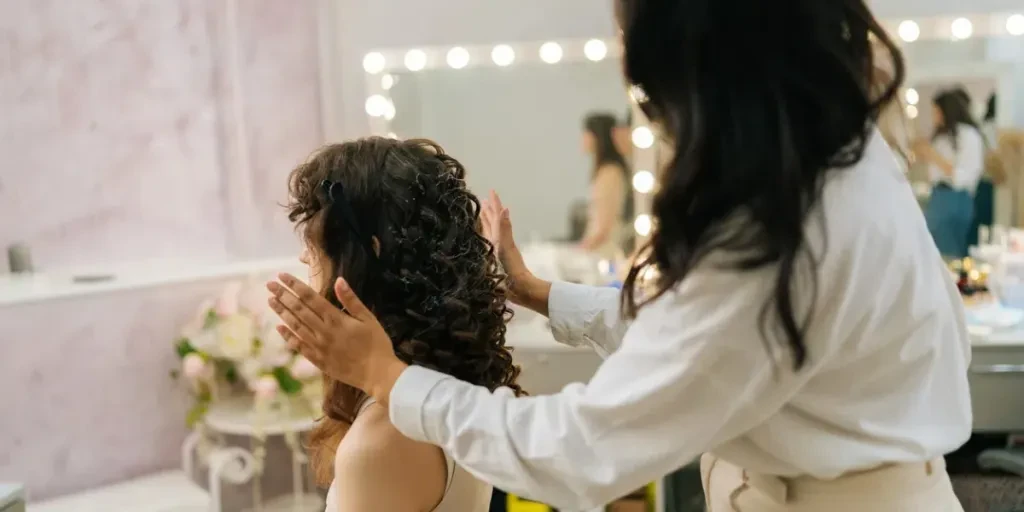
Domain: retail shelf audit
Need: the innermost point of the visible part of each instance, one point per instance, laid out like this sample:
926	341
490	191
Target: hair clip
328	187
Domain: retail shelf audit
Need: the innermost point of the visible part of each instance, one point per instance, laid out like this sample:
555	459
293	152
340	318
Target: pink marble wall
126	135
121	137
85	387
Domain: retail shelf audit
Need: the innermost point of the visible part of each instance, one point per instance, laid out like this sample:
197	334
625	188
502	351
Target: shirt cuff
572	307
407	400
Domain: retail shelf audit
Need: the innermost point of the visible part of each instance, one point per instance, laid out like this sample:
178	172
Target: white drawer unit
996	376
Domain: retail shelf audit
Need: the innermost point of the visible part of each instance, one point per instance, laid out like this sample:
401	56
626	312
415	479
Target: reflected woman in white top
395	219
799	328
956	159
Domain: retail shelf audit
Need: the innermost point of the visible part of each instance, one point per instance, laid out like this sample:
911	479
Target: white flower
250	370
235	335
206	342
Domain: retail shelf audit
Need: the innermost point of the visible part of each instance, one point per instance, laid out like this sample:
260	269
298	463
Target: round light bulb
642	225
387	82
595	50
377	105
551	52
415	60
374	63
389	110
909	31
457	57
1015	25
912	112
962	28
392	135
912	96
643	181
643	137
503	55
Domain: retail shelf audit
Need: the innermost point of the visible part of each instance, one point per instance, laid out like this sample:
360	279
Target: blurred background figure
955	154
611	198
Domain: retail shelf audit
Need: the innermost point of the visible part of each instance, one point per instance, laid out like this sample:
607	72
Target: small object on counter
93	278
19	259
970	278
12	498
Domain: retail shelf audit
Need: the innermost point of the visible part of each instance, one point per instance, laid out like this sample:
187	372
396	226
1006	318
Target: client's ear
376	245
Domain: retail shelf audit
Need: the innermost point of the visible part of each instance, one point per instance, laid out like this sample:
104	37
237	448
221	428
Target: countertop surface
61	284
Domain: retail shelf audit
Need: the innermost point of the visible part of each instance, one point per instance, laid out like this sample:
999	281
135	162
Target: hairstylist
803	332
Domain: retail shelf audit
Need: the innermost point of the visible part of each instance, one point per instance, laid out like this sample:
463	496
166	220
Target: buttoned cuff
408	399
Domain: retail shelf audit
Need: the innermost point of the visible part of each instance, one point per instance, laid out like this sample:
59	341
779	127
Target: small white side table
240	416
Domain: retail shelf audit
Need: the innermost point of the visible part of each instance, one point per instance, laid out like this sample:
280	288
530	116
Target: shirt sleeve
969	162
692	373
586	316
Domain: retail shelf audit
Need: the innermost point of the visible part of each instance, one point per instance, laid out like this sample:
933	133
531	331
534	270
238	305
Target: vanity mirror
513	113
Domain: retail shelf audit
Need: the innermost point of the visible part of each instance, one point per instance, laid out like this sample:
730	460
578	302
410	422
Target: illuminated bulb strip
596	50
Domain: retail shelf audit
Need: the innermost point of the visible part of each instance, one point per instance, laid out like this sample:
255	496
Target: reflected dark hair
435	286
602	126
990	109
955	105
761	101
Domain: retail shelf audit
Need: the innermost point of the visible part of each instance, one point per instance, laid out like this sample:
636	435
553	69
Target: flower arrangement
232	346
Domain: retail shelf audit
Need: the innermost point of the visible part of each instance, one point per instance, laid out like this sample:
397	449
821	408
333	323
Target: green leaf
290	385
197	413
231	374
183	347
211	319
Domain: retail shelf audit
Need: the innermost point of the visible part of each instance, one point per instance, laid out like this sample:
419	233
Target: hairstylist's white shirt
885	380
968	158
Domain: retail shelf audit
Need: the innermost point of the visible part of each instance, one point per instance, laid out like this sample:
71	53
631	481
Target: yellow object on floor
517	504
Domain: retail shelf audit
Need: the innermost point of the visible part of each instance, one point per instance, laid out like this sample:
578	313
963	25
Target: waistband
888	478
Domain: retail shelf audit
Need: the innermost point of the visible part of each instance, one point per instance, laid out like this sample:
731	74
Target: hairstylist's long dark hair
761	100
435	285
955	105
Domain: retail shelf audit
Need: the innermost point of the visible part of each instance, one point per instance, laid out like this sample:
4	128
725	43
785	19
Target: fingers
497	201
284	301
309	350
310	298
353	305
296	324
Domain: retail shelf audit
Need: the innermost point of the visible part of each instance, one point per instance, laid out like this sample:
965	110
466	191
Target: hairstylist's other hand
525	289
350	346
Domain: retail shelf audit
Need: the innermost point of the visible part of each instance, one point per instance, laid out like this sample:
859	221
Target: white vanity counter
60	284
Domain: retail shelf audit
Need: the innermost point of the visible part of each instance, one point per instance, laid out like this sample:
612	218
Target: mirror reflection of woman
610	194
956	158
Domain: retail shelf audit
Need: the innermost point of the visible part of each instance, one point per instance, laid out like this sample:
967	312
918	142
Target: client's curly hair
395	219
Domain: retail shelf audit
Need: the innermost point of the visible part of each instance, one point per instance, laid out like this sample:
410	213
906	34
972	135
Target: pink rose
227	304
266	388
302	369
195	367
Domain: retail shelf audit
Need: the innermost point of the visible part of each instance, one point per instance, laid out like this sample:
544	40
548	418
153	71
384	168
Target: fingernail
274	304
273	286
342	284
285	278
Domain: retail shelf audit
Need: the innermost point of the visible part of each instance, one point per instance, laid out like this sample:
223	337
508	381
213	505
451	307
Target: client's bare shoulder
377	468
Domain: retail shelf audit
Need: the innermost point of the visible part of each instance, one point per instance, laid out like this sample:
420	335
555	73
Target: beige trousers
921	487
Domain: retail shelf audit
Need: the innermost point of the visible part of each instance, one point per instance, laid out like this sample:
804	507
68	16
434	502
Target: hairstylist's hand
525	289
349	346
